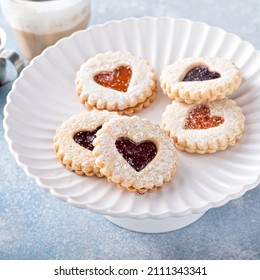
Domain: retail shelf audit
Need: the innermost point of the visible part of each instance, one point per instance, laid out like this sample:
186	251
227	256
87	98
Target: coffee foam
45	17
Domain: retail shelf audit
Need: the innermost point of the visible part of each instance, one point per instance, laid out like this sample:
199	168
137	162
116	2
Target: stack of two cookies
201	119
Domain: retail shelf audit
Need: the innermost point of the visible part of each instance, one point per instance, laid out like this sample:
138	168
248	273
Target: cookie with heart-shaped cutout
73	142
135	154
116	81
199	79
206	127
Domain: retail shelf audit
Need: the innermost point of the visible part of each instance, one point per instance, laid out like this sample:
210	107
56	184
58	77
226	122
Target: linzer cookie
194	80
73	141
116	81
206	127
135	154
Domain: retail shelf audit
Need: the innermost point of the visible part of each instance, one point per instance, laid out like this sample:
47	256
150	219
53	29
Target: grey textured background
35	225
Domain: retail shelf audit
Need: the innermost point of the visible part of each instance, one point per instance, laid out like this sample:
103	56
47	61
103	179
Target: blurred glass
8	55
39	24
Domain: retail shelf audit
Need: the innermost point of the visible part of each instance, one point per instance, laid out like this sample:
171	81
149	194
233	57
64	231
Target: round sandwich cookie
204	128
73	141
199	79
135	154
116	81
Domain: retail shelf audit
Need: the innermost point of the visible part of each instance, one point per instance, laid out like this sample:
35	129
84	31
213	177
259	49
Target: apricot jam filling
199	118
117	79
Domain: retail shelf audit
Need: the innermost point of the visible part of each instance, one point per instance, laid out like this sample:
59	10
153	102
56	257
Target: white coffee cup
39	24
6	55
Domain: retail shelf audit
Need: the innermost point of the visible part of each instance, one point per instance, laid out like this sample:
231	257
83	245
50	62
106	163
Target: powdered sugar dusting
156	173
71	153
197	91
199	118
212	138
141	86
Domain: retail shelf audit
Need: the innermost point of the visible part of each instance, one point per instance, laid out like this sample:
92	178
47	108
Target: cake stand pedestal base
155	225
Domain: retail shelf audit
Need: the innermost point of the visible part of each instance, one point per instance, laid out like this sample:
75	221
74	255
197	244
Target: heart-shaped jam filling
200	118
117	79
200	73
138	155
85	138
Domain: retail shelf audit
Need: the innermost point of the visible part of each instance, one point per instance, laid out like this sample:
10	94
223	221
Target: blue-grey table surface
35	225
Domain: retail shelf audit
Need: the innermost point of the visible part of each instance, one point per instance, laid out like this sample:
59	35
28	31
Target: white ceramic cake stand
161	225
200	183
153	225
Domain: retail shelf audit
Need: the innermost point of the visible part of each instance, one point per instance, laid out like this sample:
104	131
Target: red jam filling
138	155
200	73
200	118
117	79
85	138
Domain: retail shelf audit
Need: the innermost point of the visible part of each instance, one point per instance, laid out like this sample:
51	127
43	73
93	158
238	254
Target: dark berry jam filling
138	155
200	73
85	138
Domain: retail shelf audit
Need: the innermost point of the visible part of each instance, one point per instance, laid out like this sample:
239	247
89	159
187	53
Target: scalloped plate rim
143	215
